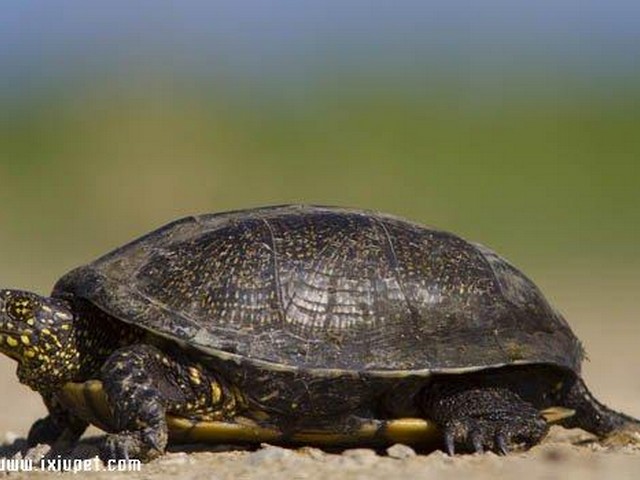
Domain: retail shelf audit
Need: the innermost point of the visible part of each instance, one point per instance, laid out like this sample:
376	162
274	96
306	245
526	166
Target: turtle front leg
143	384
60	429
479	417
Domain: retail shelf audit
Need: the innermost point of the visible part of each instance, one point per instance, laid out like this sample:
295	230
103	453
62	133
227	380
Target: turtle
300	324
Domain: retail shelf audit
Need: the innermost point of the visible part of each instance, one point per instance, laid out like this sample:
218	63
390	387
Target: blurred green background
517	127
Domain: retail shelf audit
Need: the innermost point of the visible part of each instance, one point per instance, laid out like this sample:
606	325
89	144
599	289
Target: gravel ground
564	454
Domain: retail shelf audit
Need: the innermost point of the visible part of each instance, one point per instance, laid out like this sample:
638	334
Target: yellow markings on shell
45	331
194	376
12	342
31	322
65	326
29	353
216	392
25	339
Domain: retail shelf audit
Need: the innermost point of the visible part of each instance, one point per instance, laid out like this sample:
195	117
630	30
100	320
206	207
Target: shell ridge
394	263
276	270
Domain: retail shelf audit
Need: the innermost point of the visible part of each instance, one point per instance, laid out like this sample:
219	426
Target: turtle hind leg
478	417
590	414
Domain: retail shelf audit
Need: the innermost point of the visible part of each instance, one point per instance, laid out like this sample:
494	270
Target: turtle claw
481	435
465	433
143	445
477	441
117	446
449	443
502	444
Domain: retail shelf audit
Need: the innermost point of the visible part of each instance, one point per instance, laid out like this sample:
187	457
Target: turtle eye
20	308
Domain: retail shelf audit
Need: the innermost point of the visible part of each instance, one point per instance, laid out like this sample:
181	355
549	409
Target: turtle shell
327	289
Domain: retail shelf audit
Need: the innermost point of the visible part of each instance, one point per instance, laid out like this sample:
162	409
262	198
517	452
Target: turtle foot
144	445
475	419
45	431
499	435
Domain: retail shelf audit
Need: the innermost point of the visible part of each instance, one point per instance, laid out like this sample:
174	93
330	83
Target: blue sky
298	38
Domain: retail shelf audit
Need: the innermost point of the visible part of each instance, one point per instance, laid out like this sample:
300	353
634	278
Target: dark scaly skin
591	415
491	410
487	418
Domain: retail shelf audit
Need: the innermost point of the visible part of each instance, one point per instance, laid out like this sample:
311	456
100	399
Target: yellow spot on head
12	342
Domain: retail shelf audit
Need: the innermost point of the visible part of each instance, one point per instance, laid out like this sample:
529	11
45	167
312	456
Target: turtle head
38	333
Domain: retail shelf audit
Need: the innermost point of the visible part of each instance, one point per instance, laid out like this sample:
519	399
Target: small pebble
622	438
557	452
269	453
38	452
178	458
439	457
363	456
400	451
10	437
314	453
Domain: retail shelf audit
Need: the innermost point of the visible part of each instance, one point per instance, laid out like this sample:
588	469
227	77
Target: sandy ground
606	324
